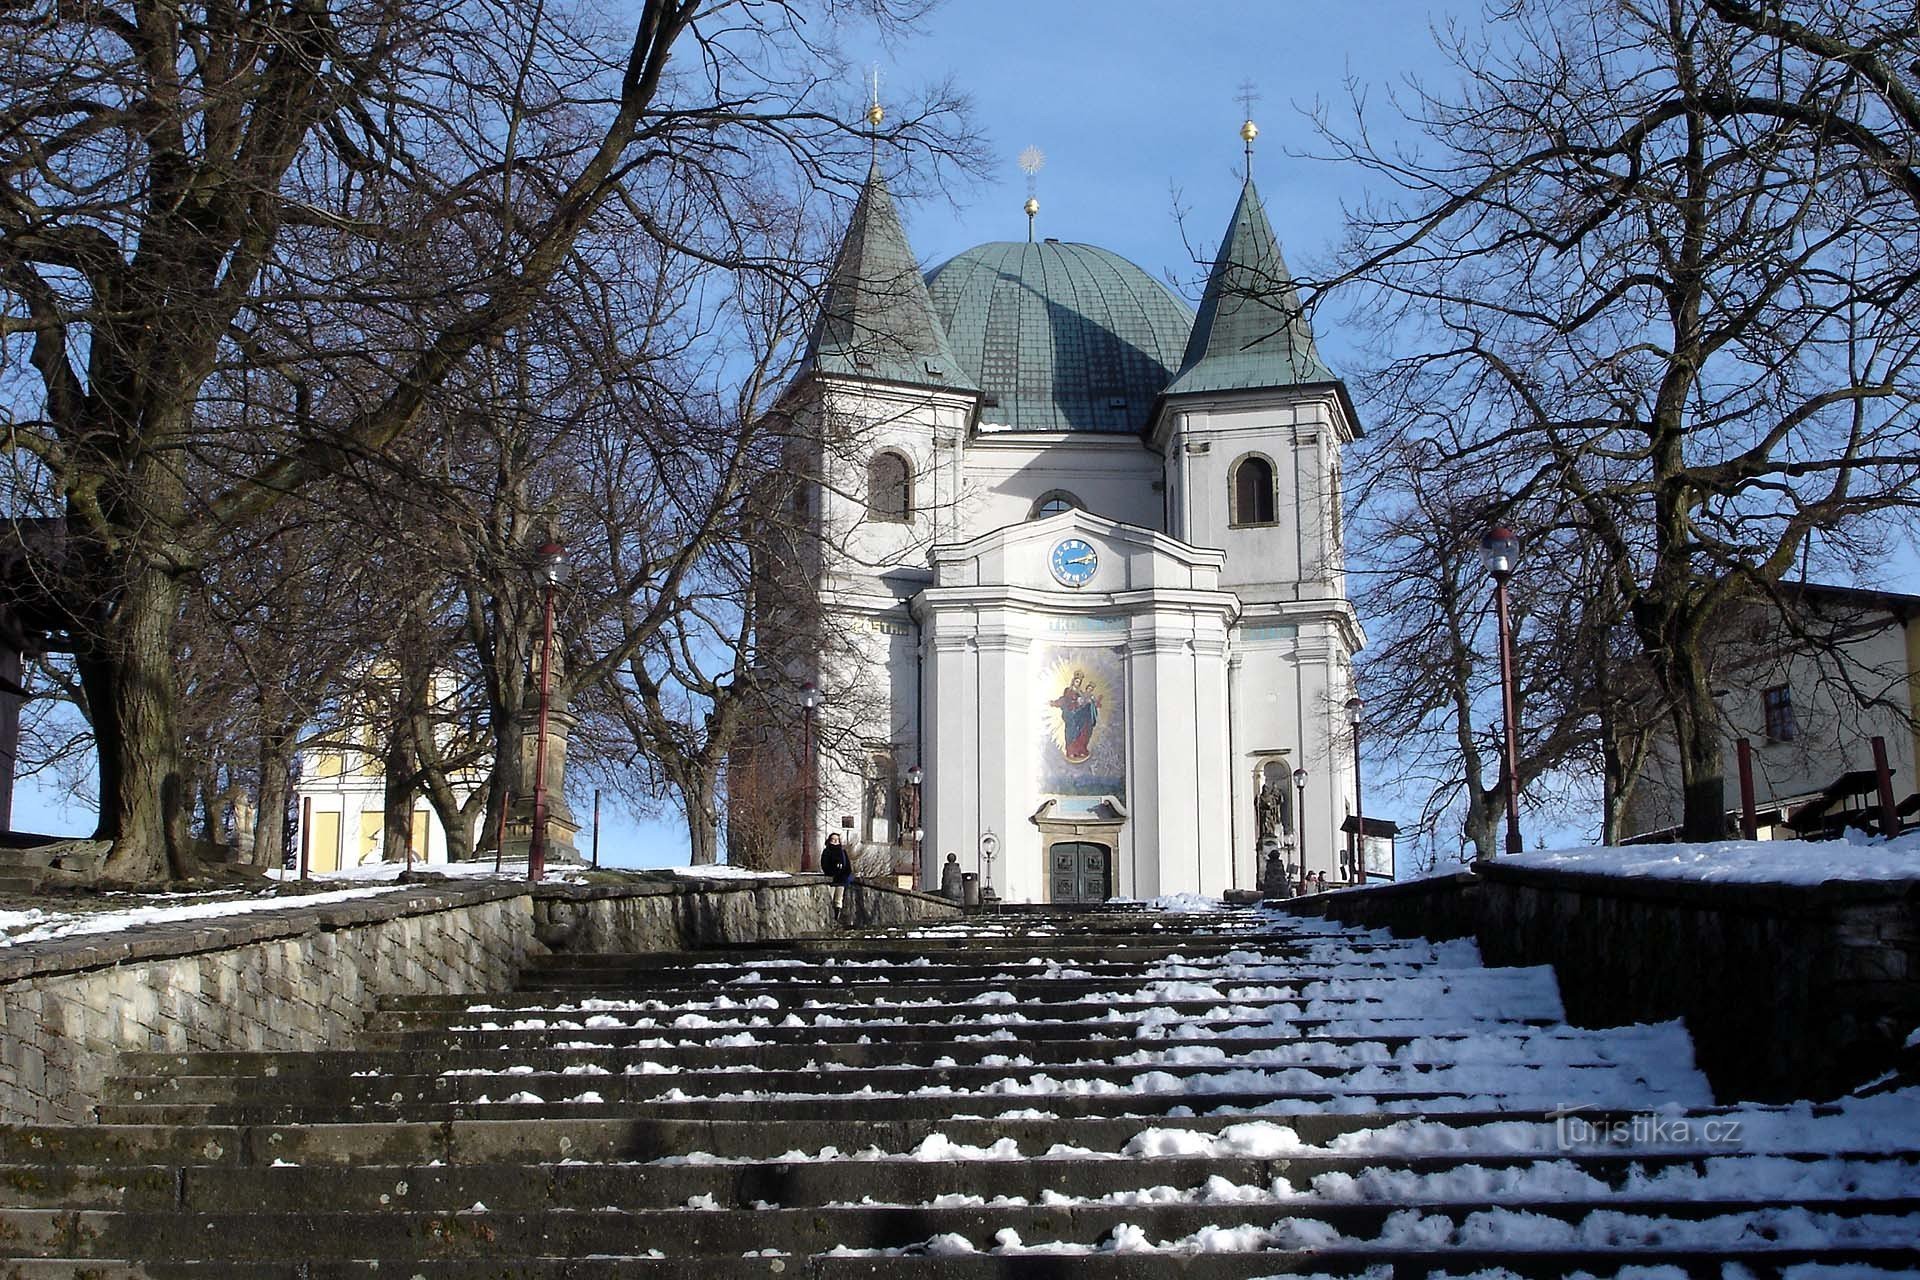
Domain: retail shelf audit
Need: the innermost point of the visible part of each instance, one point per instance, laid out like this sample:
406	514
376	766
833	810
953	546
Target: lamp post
1359	868
916	776
1499	551
552	570
1300	819
809	700
989	845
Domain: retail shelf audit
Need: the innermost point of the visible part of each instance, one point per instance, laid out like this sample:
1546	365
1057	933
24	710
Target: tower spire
876	319
1251	331
1031	161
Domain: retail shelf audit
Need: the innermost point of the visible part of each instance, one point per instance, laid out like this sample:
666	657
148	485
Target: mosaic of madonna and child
1080	698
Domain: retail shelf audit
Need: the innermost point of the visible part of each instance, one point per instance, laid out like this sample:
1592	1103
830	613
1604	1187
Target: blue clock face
1073	562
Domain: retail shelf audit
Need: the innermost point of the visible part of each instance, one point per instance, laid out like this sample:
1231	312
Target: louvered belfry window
889	488
1253	491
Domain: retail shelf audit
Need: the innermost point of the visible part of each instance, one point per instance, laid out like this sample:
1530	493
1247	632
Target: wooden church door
1081	871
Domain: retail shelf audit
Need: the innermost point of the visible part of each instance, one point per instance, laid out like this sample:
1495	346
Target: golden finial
1031	161
1248	130
875	114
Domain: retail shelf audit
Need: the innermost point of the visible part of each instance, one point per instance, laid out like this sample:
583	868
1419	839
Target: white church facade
1080	552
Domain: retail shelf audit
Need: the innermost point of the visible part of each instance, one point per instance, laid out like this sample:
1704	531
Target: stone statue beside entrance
1271	807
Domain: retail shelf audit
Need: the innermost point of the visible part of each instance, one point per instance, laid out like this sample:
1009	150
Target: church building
1081	558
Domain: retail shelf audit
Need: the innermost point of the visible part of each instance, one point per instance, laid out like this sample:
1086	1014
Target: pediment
1126	557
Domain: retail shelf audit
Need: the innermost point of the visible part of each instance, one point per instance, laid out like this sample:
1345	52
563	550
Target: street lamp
989	845
1359	867
1300	820
809	700
1499	551
551	568
916	776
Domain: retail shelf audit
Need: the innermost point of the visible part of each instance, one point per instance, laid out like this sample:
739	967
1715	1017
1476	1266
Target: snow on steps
1227	1094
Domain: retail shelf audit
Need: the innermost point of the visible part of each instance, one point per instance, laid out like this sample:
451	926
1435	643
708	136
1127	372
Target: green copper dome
1066	337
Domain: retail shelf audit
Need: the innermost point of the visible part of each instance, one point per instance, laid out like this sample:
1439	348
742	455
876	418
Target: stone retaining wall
308	977
598	919
1789	991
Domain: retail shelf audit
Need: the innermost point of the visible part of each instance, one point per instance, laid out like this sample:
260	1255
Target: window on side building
1778	702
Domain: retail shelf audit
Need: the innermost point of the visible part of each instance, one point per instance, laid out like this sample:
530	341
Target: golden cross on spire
1030	162
1248	95
875	114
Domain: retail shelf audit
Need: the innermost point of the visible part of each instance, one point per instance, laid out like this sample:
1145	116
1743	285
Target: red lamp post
553	571
916	776
1300	820
1358	870
1499	551
809	701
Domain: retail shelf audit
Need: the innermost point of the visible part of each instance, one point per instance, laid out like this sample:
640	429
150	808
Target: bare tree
1688	325
1846	74
1431	666
351	199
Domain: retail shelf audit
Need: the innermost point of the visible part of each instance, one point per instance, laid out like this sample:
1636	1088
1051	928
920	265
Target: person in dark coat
837	867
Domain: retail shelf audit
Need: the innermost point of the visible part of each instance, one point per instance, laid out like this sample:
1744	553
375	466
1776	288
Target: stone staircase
1121	1093
29	863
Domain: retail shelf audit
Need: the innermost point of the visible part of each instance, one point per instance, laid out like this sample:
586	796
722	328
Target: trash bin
970	889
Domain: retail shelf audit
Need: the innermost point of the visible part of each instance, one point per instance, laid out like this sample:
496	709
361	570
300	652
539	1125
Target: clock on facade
1073	562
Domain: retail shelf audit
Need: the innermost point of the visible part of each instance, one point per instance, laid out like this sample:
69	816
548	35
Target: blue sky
1136	106
1133	102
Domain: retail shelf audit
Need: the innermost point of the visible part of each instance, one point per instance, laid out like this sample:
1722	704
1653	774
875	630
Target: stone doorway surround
1100	825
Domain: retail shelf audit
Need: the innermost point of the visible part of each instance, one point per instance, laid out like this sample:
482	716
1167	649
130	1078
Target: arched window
889	488
1252	484
1053	503
1339	522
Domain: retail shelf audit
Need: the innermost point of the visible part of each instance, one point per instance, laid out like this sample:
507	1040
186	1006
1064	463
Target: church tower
1076	555
1251	427
878	412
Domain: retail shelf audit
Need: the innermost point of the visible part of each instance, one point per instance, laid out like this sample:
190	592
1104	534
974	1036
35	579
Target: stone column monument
562	826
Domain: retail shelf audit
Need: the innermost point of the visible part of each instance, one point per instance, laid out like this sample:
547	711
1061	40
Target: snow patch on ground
1859	857
1179	903
721	871
45	926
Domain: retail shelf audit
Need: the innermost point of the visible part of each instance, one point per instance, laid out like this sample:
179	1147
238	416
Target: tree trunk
487	839
1621	766
276	792
128	673
703	818
459	838
397	819
1696	730
456	819
213	810
1484	811
1613	805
